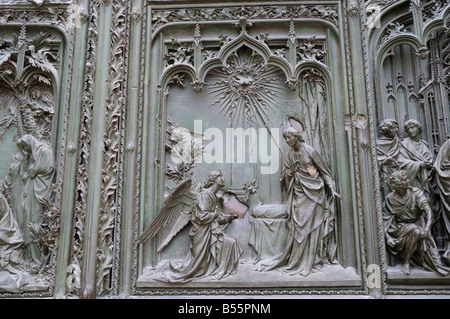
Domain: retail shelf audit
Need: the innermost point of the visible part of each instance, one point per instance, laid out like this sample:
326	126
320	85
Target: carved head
292	136
389	128
214	177
25	143
399	179
413	128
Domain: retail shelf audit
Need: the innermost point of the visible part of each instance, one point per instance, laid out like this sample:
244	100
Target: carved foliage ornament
28	68
112	143
35	2
308	51
434	9
54	15
193	57
326	12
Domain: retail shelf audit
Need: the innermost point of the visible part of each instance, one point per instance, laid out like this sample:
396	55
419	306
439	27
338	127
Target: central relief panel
242	183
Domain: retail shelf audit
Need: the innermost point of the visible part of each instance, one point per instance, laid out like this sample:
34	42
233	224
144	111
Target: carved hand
425	233
294	168
32	172
336	195
425	165
390	161
230	218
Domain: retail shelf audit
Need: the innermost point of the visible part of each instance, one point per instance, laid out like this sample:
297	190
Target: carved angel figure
212	252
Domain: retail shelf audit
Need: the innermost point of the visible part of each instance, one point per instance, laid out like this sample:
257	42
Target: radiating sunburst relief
247	90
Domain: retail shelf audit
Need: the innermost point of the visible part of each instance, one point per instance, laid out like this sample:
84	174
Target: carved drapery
34	114
193	62
406	87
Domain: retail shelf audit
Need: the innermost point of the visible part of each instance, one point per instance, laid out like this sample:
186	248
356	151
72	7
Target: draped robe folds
411	155
11	240
311	240
36	174
404	216
212	252
442	169
387	147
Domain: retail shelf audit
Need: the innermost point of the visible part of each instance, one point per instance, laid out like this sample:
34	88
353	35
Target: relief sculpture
278	217
13	275
416	159
284	148
387	152
306	236
410	183
27	222
311	191
442	169
33	175
413	201
212	252
408	219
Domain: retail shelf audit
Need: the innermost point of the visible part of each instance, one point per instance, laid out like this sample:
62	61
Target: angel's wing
177	226
181	200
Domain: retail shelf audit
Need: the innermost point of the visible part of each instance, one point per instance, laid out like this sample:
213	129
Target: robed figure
416	159
388	151
12	276
212	252
407	223
33	174
442	169
311	192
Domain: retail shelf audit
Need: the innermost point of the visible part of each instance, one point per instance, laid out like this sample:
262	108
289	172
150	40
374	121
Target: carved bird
244	80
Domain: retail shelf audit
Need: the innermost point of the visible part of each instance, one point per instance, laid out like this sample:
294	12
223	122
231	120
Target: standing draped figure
442	169
311	191
388	146
33	173
417	160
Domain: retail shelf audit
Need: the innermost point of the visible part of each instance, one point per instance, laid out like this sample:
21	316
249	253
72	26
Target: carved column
99	181
417	13
362	123
68	271
132	155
